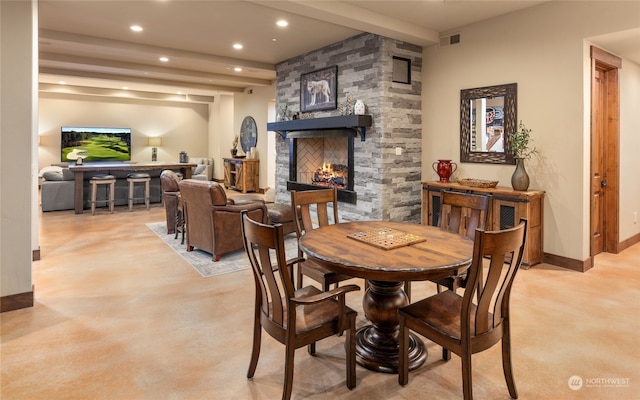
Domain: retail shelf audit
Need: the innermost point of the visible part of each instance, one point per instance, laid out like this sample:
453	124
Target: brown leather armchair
212	223
170	191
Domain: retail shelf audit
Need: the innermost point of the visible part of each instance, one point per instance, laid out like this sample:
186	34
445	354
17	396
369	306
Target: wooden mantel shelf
345	125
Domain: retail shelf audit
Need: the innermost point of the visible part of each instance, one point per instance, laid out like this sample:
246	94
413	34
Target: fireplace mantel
345	125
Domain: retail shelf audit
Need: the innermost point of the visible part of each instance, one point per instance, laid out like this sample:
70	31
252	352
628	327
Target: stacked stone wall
388	186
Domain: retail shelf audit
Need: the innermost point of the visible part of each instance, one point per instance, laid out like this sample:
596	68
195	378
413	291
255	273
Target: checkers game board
386	238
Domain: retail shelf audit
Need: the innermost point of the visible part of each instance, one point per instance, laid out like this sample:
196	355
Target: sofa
57	186
204	170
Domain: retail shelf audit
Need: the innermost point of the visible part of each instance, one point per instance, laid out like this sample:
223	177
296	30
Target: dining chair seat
321	274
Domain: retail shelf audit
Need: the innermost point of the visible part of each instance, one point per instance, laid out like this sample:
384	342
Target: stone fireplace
321	152
380	183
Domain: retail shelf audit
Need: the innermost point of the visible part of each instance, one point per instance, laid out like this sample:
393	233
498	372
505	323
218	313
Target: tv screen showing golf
95	144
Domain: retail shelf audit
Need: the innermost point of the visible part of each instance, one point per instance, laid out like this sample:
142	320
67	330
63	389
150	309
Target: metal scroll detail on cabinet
488	115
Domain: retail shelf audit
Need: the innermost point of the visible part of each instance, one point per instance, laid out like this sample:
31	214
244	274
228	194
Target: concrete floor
119	315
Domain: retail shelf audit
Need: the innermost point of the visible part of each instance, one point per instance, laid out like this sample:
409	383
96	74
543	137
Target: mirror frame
510	93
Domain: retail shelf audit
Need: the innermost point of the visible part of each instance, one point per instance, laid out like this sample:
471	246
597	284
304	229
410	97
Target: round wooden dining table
387	254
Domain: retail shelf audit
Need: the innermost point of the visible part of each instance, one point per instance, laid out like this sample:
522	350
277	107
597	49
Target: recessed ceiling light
237	46
274	40
282	23
237	69
179	92
164	59
125	88
62	82
136	28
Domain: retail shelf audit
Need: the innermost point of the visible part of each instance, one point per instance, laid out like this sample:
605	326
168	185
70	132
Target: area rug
202	261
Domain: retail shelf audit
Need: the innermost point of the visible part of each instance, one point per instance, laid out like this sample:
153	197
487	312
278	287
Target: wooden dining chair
460	213
295	318
457	323
302	203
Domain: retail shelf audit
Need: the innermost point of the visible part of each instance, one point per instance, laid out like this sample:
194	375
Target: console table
506	207
241	174
106	168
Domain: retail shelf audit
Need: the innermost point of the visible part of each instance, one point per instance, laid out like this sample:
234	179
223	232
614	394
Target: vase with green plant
520	146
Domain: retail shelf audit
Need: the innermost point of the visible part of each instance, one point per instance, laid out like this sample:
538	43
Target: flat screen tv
95	143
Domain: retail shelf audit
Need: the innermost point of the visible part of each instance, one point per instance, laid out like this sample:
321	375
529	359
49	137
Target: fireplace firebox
320	163
321	152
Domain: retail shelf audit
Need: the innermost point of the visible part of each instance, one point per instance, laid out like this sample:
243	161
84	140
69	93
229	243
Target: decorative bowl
481	183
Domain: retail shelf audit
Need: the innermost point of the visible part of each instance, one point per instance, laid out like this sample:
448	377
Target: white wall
255	105
220	129
548	64
182	126
18	183
630	148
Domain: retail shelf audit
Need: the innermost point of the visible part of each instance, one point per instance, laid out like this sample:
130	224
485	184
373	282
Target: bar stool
102	180
137	177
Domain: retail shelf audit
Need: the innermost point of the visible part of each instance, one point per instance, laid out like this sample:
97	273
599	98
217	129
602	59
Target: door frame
609	65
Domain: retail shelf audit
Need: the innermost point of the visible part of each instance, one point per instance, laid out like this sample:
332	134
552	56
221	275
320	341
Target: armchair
170	191
212	223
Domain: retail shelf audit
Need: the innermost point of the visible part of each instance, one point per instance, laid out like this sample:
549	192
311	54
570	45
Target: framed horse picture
319	90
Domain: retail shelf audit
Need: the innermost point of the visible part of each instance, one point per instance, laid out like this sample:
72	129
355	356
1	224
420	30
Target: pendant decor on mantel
520	178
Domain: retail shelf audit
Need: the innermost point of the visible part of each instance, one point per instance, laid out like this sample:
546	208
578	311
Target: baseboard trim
16	301
569	263
625	244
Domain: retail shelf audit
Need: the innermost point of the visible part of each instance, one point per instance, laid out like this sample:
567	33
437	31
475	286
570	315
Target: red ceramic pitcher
444	169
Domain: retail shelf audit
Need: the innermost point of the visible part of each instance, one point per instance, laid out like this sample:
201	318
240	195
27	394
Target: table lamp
155	142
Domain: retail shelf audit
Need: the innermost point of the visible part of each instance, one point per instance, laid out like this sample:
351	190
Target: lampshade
154	141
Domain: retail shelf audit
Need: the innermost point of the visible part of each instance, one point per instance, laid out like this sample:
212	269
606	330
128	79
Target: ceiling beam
347	15
175	85
62	61
49	37
129	94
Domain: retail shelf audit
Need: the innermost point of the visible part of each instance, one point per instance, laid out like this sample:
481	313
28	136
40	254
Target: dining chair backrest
504	250
315	209
463	213
264	243
302	203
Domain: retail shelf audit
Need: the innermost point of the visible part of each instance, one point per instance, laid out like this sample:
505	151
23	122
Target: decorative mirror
248	134
487	118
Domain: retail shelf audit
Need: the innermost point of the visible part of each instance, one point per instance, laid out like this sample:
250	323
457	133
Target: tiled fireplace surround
387	186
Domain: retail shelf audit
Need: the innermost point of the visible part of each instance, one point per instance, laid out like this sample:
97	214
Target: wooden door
598	176
605	151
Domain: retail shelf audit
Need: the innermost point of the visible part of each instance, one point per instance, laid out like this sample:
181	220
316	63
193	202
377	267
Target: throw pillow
52	176
199	169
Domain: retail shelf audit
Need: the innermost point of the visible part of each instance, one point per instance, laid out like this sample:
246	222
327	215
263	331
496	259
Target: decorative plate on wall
248	134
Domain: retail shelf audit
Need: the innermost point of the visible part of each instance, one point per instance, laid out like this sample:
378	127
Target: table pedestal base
373	353
377	344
